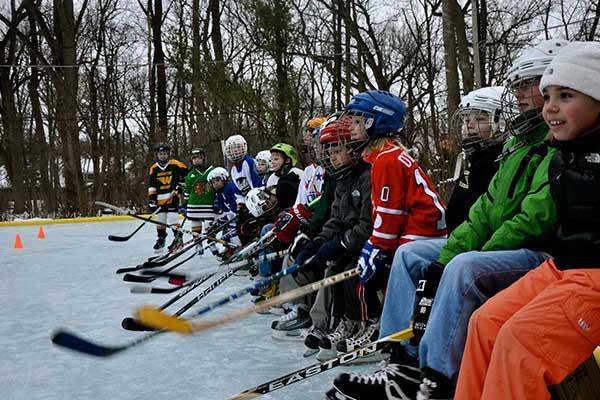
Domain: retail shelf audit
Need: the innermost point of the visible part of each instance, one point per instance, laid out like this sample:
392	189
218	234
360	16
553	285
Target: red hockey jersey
405	205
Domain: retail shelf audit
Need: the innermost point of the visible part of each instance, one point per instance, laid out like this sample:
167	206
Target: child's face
528	95
217	184
569	113
476	124
162	156
277	161
198	159
339	157
262	166
357	128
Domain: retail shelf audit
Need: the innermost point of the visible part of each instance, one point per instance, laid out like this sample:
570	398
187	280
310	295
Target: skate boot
177	242
327	345
293	325
368	333
435	386
312	339
159	244
282	309
398	379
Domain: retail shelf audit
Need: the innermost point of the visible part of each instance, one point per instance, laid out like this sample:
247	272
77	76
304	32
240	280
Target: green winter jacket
197	190
517	211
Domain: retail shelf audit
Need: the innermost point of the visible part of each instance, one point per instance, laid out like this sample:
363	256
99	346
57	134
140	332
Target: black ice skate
293	325
159	245
177	242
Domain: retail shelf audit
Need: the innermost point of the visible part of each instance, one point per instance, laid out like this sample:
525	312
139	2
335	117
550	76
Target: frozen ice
68	281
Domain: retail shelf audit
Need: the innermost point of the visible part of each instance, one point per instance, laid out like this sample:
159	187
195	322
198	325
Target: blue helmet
384	112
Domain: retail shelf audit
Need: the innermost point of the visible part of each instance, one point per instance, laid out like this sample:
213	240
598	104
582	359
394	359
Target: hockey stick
184	280
148	279
131	324
159	263
123	211
154	317
116	238
72	341
317	368
187	306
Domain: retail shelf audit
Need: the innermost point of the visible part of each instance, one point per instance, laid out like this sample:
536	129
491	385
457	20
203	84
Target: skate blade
294	335
370	358
333	394
309	352
325	354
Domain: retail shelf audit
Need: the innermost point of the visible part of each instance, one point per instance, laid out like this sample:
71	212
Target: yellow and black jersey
164	179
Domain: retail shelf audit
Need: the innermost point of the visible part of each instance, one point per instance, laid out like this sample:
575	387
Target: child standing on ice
538	330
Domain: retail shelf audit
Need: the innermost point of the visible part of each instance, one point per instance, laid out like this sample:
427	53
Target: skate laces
292	314
343	330
364	335
380	377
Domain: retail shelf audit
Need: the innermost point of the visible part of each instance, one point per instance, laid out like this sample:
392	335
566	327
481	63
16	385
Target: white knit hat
576	66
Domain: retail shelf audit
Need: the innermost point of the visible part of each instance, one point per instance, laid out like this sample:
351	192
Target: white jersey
245	177
310	184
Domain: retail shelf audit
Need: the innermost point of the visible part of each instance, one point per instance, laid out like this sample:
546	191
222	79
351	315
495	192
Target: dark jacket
575	187
351	210
472	183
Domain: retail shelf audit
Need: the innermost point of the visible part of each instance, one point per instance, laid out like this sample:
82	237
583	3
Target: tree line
88	88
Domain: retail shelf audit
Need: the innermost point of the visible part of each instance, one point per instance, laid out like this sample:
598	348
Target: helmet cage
521	106
260	202
478	129
236	148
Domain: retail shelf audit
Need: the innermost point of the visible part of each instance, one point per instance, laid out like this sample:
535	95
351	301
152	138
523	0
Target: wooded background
87	88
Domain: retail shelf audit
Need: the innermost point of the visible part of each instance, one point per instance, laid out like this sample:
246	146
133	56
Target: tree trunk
161	78
450	65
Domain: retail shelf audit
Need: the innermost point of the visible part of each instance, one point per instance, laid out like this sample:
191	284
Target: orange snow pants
530	335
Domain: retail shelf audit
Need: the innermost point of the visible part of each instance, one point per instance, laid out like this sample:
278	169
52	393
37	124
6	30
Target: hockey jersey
162	180
245	177
405	205
310	184
199	195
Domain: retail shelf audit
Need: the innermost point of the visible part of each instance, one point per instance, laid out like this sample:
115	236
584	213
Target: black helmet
162	147
196	151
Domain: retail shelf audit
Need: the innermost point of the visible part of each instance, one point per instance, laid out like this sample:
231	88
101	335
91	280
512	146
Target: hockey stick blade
114	238
131	324
76	343
317	368
138	278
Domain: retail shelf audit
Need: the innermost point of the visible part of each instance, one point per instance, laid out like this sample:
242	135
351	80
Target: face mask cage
476	129
522	105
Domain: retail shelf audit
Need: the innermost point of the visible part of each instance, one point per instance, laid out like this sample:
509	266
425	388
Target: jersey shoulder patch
177	163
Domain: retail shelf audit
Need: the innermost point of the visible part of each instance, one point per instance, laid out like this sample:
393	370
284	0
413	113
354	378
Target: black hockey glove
424	296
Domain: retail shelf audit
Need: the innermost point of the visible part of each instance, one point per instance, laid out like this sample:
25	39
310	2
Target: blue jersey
225	201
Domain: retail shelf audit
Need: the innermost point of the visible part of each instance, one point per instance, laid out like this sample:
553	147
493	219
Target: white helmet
259	201
218	173
479	105
236	148
533	62
523	113
264	155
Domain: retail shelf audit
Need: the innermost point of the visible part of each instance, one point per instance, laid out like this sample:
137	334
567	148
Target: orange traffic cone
41	234
18	243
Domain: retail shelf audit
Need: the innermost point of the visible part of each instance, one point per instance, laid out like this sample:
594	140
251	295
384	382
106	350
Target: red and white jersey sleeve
405	205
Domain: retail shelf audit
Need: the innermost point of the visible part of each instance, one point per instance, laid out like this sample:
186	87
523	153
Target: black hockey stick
147	279
116	238
315	369
158	263
123	211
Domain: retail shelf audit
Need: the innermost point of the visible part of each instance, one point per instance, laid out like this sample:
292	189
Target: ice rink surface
68	281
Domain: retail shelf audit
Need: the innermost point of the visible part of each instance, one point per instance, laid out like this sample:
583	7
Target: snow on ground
68	280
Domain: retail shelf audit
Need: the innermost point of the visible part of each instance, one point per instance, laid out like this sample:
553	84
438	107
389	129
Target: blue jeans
265	266
467	282
408	267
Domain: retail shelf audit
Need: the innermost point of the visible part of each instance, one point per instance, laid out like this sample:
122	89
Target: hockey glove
287	223
424	296
308	250
372	260
152	205
180	188
298	245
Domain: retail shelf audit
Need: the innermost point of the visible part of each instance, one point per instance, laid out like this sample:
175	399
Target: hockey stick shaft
116	238
156	318
317	368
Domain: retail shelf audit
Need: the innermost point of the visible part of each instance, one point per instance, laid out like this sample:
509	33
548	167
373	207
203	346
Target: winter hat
577	67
